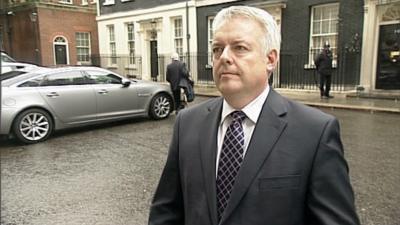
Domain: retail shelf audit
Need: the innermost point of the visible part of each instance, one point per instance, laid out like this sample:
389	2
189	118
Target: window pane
103	78
334	11
31	83
325	27
317	14
316	27
178	27
61	79
83	46
334	26
111	32
325	13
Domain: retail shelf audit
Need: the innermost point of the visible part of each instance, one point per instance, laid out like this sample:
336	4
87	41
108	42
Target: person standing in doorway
176	71
323	63
252	156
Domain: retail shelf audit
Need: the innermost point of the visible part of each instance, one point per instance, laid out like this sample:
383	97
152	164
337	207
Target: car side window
100	77
64	78
35	82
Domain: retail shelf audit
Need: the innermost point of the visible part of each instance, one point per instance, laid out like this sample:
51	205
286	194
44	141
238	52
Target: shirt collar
252	110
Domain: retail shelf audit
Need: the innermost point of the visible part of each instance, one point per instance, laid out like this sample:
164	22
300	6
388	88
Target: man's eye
240	48
217	50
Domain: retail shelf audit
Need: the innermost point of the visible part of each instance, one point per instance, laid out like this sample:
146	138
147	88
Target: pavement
341	100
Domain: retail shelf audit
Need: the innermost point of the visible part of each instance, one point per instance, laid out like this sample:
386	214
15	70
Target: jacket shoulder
307	114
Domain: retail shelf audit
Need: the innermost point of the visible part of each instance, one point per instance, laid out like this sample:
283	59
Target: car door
113	99
70	97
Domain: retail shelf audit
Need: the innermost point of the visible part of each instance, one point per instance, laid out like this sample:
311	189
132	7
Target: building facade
138	37
205	13
306	26
363	35
50	32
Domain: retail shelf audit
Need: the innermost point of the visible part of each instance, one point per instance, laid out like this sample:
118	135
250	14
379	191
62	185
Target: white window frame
131	42
85	2
83	47
210	36
112	48
65	2
178	35
109	2
331	35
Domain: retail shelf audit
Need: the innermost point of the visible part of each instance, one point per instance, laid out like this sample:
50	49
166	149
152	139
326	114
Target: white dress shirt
252	111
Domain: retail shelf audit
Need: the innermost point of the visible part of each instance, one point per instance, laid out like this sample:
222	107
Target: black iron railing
295	71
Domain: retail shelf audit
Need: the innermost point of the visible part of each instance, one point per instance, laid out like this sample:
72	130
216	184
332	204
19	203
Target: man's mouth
228	73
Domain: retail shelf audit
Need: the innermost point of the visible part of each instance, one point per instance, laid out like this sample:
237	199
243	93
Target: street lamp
33	17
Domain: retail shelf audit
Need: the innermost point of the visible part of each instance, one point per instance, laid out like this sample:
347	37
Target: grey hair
175	56
272	36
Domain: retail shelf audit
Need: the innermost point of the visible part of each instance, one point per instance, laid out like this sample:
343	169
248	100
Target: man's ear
272	57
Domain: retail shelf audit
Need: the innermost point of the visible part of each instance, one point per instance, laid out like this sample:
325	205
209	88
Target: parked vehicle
36	103
9	64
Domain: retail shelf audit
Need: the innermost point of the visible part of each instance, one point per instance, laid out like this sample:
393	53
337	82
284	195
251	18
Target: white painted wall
141	19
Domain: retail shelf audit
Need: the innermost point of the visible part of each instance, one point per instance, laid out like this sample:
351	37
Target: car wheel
160	106
32	126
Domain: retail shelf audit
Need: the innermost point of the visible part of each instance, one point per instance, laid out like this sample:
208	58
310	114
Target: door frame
376	53
60	43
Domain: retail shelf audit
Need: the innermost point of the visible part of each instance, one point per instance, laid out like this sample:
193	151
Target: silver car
35	104
9	64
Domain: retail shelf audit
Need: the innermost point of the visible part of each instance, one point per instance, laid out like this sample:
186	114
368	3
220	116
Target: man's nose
226	55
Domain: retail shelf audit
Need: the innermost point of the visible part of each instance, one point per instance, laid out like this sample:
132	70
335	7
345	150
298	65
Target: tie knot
238	116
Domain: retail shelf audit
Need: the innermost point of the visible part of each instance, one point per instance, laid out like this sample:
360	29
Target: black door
388	69
154	60
61	54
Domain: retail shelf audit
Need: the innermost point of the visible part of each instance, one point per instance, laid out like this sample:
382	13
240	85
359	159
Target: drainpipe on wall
9	31
34	19
187	35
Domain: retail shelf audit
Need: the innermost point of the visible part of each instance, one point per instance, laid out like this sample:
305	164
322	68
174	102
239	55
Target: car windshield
19	78
6	58
11	74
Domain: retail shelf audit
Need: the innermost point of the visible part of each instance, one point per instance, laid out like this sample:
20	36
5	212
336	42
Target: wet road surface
106	175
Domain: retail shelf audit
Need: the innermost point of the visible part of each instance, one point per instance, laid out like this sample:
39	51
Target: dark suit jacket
323	62
175	72
294	172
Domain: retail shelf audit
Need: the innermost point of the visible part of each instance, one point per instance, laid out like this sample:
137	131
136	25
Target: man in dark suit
176	71
252	157
323	63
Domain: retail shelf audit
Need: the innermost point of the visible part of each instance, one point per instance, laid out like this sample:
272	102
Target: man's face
239	61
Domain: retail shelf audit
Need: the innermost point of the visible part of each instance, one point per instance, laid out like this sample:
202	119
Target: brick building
50	32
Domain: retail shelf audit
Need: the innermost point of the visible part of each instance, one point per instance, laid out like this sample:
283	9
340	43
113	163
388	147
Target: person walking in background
323	63
252	157
176	71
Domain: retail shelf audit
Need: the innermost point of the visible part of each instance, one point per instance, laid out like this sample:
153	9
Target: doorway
61	54
388	68
153	60
60	51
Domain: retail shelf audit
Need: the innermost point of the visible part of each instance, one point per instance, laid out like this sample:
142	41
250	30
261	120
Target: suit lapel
267	131
208	149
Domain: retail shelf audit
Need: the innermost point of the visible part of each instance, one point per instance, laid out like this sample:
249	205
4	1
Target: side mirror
125	82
